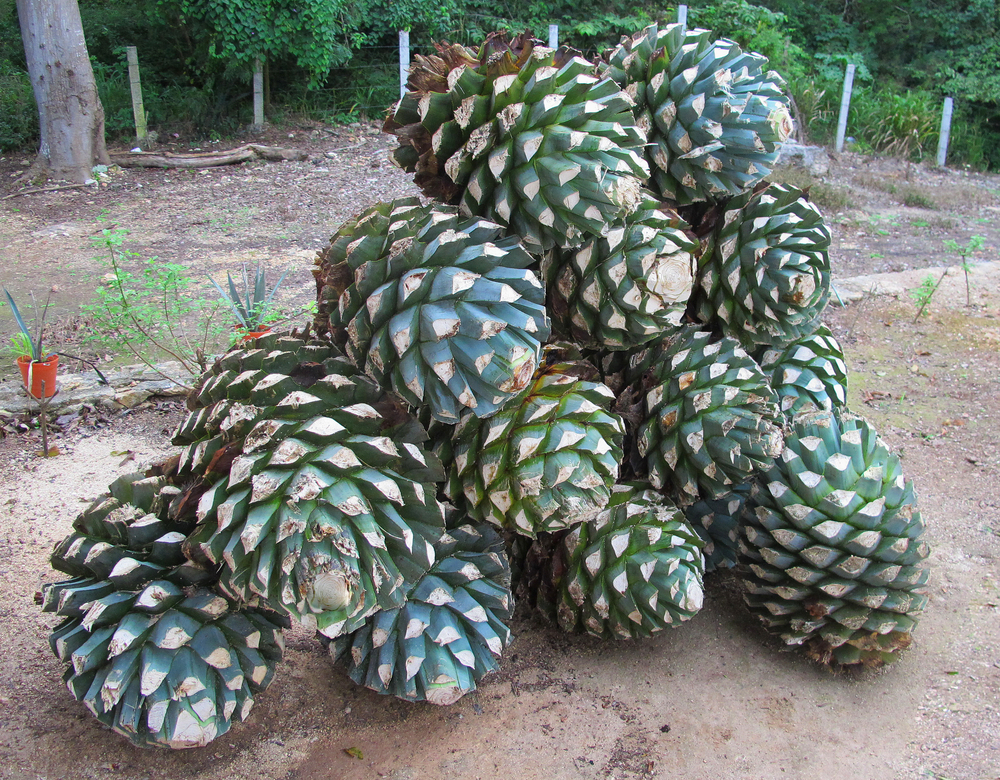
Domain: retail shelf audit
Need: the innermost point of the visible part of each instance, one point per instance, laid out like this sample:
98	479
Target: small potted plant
38	370
252	309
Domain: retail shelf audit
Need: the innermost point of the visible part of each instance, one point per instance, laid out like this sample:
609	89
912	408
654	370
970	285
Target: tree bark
70	115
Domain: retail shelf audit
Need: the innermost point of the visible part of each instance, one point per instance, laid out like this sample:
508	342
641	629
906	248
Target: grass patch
967	196
793	176
870	181
942	223
831	198
917	198
826	196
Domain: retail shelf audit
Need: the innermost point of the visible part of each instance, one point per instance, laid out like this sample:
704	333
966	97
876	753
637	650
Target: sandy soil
717	698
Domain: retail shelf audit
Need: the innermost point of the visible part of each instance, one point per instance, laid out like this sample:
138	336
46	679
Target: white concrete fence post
258	94
845	107
942	153
404	60
138	111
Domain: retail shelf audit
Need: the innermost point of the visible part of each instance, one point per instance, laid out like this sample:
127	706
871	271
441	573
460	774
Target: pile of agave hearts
593	373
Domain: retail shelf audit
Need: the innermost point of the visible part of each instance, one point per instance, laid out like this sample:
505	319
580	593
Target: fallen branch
34	190
352	146
241	154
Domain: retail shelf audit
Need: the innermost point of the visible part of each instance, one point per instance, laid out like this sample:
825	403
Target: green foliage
820	26
20	344
349	94
335	60
813	107
917	198
317	35
832	67
974	74
588	25
18	115
150	308
116	98
240	31
755	28
923	294
975	136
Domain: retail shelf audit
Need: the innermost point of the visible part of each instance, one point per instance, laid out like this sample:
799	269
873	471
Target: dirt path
714	699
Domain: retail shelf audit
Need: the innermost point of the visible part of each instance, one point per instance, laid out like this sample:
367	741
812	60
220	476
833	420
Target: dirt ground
716	698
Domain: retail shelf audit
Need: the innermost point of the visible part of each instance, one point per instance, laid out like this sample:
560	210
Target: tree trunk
70	115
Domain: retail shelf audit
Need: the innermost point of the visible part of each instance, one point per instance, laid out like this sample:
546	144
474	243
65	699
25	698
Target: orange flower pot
246	335
35	372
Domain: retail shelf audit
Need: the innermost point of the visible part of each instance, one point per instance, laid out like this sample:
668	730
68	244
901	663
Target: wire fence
375	78
369	83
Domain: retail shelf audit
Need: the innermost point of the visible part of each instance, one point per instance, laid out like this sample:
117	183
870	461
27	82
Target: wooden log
241	154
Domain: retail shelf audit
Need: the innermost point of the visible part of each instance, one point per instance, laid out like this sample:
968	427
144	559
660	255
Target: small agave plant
564	378
252	307
38	367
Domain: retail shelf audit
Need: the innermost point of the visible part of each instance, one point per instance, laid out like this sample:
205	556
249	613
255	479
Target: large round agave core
833	548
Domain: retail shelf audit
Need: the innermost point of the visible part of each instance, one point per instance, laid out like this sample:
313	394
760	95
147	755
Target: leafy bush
151	308
902	124
814	108
18	114
116	97
588	25
975	136
755	29
347	94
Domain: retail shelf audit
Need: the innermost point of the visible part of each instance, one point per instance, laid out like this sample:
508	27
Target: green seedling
922	295
974	244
